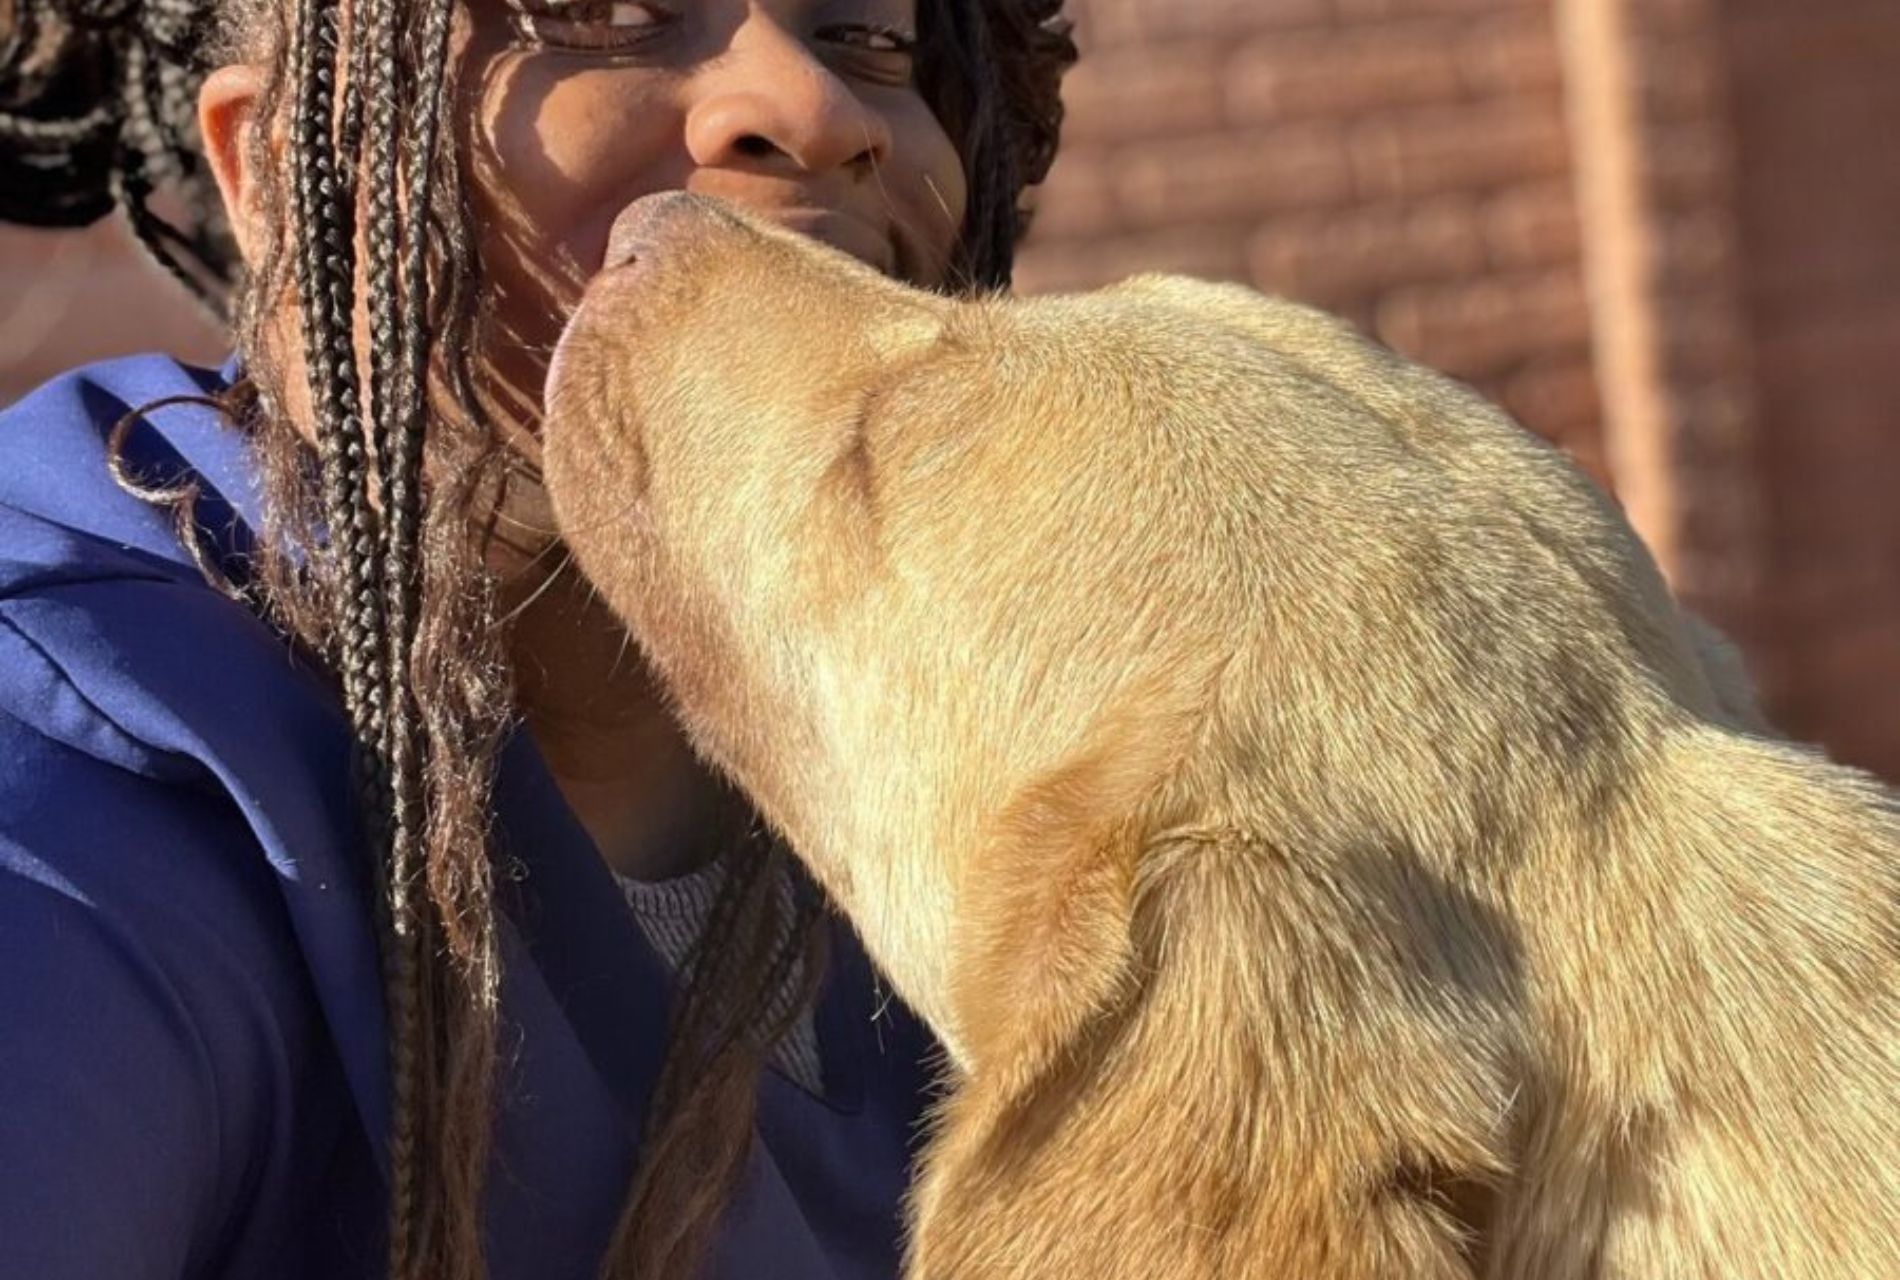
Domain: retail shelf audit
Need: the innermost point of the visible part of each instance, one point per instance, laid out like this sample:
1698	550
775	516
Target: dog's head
951	587
834	512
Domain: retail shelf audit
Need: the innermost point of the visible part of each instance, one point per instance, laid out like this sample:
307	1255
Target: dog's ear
1046	906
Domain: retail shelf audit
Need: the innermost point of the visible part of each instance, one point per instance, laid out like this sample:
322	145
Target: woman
325	786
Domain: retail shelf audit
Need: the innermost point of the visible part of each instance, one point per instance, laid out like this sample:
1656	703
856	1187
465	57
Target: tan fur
1285	784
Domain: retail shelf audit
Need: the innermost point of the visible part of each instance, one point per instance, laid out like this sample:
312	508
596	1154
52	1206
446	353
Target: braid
326	275
463	887
142	160
368	123
457	1047
61	138
373	127
753	945
436	918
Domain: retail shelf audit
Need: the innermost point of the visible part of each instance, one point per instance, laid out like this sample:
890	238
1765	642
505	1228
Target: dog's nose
645	223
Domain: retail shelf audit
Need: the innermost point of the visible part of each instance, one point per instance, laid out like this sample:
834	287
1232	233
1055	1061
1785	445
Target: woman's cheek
560	152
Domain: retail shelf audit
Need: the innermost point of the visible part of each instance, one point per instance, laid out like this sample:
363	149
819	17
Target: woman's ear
227	120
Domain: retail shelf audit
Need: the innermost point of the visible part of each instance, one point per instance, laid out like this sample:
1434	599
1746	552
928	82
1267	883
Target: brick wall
1815	94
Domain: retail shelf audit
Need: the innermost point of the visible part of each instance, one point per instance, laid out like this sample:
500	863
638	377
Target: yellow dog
1284	784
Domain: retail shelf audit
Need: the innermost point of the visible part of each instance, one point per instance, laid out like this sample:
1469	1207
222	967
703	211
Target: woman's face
806	111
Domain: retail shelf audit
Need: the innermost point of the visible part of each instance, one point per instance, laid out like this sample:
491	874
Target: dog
1285	785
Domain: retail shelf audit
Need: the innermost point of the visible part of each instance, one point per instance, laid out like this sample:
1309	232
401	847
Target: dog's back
1713	1082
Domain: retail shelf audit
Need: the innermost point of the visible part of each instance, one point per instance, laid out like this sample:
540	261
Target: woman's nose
771	102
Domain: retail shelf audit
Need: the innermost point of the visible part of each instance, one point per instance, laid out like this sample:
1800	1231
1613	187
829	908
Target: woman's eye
882	54
592	26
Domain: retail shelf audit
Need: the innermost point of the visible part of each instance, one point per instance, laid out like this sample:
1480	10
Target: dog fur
1285	785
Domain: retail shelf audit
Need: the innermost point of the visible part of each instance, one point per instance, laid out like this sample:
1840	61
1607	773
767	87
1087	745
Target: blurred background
1664	233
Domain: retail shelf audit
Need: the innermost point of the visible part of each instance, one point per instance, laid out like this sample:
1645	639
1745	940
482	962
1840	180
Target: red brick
1212	253
1126	93
1514	54
1836	34
1276	78
1684	165
1330	258
1678	79
1817	172
1113	22
1814	586
1469	148
1694	249
1656	20
1826	342
1484	326
1584	447
1229	176
1815	193
1533	226
1847	663
1702	339
1555	395
1078	198
1838	497
1355	10
1699	574
1711	419
1847	439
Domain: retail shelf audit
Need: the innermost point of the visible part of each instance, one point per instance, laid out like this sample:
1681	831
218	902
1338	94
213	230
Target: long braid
369	122
373	127
459	886
61	143
158	143
326	286
435	1172
442	1026
370	660
142	160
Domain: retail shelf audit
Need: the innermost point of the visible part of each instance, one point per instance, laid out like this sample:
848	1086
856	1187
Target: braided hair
387	581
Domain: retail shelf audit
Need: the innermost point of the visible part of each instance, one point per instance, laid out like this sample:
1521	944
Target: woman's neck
621	761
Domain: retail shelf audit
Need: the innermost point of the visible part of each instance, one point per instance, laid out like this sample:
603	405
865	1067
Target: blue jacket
192	1077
